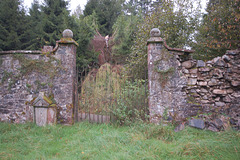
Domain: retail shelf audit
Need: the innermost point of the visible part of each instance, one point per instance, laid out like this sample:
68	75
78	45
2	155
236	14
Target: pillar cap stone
155	32
67	33
155	36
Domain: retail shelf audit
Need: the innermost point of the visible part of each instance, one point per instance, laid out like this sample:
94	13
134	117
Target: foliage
176	26
78	12
219	29
94	141
107	12
54	20
144	6
12	21
131	103
86	30
34	33
42	26
124	29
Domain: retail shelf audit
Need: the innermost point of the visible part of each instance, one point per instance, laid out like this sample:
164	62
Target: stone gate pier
181	87
166	82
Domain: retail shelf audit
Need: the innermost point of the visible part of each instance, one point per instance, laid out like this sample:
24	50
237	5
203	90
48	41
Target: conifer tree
34	35
54	20
12	24
107	12
219	30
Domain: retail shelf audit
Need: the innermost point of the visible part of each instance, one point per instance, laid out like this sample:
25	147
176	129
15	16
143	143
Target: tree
142	6
219	29
78	12
124	32
54	20
34	34
12	20
177	25
87	27
107	12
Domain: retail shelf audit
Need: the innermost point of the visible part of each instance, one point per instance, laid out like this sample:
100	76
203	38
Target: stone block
219	63
229	90
212	82
218	73
235	83
213	129
187	64
220	104
215	59
232	52
226	58
204	90
219	91
200	63
193	75
193	71
227	99
197	123
192	81
179	127
202	83
217	99
205	101
205	69
236	95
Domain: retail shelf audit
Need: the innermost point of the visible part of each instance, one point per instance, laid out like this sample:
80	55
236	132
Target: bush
131	104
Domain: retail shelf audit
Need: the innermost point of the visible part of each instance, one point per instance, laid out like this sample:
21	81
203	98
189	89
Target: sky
73	4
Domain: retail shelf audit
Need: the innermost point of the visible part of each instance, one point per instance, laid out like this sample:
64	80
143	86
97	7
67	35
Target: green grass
92	141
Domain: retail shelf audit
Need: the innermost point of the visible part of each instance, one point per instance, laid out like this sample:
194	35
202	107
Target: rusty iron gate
103	91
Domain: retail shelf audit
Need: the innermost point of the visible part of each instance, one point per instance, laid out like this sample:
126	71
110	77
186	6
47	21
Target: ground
105	141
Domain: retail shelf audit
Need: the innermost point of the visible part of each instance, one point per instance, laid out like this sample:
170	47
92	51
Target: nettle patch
44	66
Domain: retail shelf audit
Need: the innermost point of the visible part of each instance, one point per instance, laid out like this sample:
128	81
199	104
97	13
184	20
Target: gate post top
67	33
67	38
155	34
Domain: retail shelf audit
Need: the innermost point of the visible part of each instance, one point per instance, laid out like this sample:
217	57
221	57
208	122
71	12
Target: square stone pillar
65	84
165	82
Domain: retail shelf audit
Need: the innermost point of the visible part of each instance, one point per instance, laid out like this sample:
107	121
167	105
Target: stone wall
213	86
180	86
24	75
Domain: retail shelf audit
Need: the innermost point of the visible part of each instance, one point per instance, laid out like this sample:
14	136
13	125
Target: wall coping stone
20	52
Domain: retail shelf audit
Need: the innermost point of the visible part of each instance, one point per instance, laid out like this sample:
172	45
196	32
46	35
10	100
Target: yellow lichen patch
47	99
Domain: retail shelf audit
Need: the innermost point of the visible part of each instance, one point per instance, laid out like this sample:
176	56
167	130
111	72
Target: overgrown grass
92	141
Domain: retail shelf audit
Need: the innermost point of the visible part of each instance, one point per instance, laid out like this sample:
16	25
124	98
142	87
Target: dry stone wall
181	87
24	76
214	86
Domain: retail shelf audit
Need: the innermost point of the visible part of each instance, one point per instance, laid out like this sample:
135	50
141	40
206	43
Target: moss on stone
48	68
164	75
